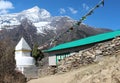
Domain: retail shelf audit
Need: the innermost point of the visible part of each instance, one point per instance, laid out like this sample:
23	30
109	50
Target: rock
47	71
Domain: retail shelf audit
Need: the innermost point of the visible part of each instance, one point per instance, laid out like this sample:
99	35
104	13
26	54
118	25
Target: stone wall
47	71
89	56
31	72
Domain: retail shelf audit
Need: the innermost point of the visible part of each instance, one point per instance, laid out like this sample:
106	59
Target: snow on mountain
41	26
35	14
39	17
9	20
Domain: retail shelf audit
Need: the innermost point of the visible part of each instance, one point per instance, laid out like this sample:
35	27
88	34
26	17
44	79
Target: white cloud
73	11
62	11
5	6
85	6
3	11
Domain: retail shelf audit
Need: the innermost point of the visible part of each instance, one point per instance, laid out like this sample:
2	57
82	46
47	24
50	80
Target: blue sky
103	17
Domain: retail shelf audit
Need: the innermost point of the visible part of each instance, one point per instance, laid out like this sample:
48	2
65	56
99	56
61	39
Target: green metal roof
87	40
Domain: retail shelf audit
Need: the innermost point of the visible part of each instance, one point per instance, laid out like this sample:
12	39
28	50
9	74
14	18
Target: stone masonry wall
89	56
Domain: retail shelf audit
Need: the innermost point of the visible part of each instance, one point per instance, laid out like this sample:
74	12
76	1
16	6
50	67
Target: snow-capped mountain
37	25
40	18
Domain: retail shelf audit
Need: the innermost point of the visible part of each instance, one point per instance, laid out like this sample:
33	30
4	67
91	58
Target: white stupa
22	56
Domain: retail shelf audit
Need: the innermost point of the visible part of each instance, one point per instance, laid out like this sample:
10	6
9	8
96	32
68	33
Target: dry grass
105	71
7	64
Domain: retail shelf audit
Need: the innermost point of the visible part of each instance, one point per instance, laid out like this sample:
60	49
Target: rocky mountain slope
29	32
36	25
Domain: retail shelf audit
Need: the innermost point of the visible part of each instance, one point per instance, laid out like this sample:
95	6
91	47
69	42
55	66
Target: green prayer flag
83	18
78	23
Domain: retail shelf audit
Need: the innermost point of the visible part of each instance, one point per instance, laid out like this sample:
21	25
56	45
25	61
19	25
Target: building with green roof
63	50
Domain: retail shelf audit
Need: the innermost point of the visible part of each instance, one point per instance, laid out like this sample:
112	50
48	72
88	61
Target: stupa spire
22	45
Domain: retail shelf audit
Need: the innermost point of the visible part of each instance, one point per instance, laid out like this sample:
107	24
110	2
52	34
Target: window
61	56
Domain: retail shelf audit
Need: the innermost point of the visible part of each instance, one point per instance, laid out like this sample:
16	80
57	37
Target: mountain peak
35	14
33	9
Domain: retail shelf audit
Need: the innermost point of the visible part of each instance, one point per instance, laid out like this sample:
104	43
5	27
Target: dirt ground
105	71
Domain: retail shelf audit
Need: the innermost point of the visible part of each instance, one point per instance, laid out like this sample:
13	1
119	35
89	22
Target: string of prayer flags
80	21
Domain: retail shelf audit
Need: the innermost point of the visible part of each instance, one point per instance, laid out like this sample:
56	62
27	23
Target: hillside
98	64
105	71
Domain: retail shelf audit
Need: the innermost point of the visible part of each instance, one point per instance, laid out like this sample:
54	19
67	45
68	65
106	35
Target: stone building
64	50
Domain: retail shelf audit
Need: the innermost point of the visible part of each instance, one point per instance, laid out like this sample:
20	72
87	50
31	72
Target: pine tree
37	54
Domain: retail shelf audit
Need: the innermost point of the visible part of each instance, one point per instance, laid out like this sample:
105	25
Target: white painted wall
52	60
21	53
24	61
22	56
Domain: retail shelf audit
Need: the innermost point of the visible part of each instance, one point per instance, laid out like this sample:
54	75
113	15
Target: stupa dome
22	55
